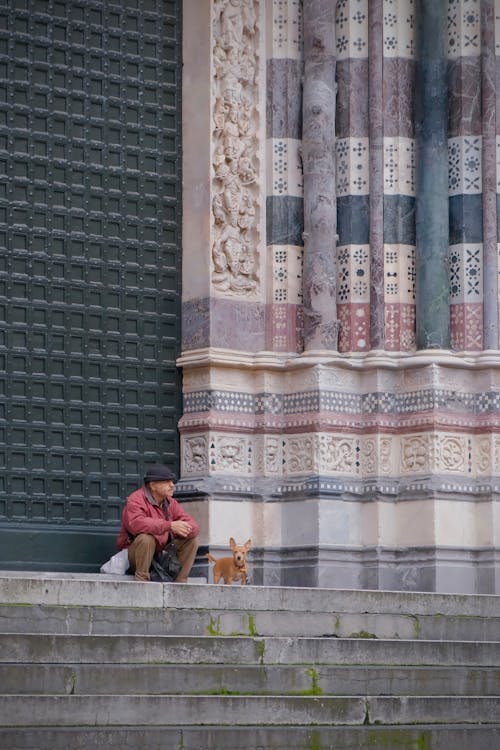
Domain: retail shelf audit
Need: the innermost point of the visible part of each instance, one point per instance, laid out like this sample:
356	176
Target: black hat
158	473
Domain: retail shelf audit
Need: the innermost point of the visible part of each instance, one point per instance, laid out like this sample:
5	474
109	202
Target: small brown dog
232	568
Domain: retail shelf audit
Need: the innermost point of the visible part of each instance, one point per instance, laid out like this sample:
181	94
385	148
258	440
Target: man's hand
180	528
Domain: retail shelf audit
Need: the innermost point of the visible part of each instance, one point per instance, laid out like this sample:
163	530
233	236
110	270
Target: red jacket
140	516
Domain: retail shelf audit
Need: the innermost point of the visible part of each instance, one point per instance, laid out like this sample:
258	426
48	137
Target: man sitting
150	516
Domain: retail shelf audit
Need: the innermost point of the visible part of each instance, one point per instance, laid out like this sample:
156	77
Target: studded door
89	259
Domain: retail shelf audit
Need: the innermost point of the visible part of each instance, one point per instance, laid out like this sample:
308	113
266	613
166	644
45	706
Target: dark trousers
142	550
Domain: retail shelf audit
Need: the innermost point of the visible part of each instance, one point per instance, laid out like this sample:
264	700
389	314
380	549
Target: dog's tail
210	557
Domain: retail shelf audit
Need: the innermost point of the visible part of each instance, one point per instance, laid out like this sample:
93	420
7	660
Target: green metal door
89	269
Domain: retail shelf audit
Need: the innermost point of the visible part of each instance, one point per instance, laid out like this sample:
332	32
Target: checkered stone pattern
353	177
353	295
465	170
394	261
285	181
399	175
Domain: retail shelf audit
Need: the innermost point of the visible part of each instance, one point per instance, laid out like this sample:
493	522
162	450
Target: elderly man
150	516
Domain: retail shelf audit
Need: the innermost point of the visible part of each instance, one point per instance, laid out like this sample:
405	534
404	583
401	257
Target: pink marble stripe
282	327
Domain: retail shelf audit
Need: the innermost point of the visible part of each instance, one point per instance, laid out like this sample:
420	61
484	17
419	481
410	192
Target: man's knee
187	545
194	542
145	542
140	554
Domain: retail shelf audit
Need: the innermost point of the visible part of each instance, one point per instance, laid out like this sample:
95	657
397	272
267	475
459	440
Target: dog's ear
248	544
232	543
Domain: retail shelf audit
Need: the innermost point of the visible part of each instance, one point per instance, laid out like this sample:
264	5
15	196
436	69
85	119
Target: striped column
399	174
284	183
465	151
497	130
353	176
489	119
376	100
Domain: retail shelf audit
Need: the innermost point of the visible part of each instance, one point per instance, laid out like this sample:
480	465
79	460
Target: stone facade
377	466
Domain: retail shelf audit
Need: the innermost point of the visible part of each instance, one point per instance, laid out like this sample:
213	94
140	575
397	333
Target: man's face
163	488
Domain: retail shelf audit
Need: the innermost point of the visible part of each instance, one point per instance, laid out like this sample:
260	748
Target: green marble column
431	205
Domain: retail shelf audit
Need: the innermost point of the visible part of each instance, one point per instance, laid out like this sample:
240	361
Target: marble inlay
399	28
352	29
464	28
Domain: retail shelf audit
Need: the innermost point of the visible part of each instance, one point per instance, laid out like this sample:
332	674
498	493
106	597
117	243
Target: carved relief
452	454
195	455
483	456
272	455
231	454
338	455
385	459
369	456
414	454
235	158
496	453
299	454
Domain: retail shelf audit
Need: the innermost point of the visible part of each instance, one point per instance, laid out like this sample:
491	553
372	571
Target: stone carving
195	454
369	454
385	458
338	454
496	454
300	454
235	160
483	455
272	455
453	454
231	454
414	453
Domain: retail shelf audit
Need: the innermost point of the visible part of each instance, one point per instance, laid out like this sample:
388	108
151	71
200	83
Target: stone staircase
93	661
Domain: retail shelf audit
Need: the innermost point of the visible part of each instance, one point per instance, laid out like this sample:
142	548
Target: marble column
321	325
489	106
432	222
376	98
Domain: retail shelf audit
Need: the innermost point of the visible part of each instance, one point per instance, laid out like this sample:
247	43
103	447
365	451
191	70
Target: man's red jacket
140	516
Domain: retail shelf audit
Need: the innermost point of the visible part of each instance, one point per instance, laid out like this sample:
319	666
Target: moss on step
251	626
213	628
387	738
315	688
260	647
416	625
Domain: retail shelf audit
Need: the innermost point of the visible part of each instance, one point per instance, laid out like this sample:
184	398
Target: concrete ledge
123	591
147	711
250	737
138	649
223	679
104	620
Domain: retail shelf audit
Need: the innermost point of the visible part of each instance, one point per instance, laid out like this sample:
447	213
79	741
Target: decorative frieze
338	455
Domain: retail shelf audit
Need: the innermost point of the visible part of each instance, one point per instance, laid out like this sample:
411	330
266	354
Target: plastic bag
116	565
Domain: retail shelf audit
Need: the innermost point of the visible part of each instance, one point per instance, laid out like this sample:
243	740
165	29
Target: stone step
255	737
123	591
216	679
136	649
186	710
263	668
104	620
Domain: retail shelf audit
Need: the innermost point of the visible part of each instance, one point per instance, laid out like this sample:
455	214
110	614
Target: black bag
165	565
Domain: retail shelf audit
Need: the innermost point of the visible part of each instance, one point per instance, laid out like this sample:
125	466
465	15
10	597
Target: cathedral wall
376	464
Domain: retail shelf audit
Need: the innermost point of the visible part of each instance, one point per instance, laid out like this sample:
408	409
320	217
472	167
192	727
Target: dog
232	568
